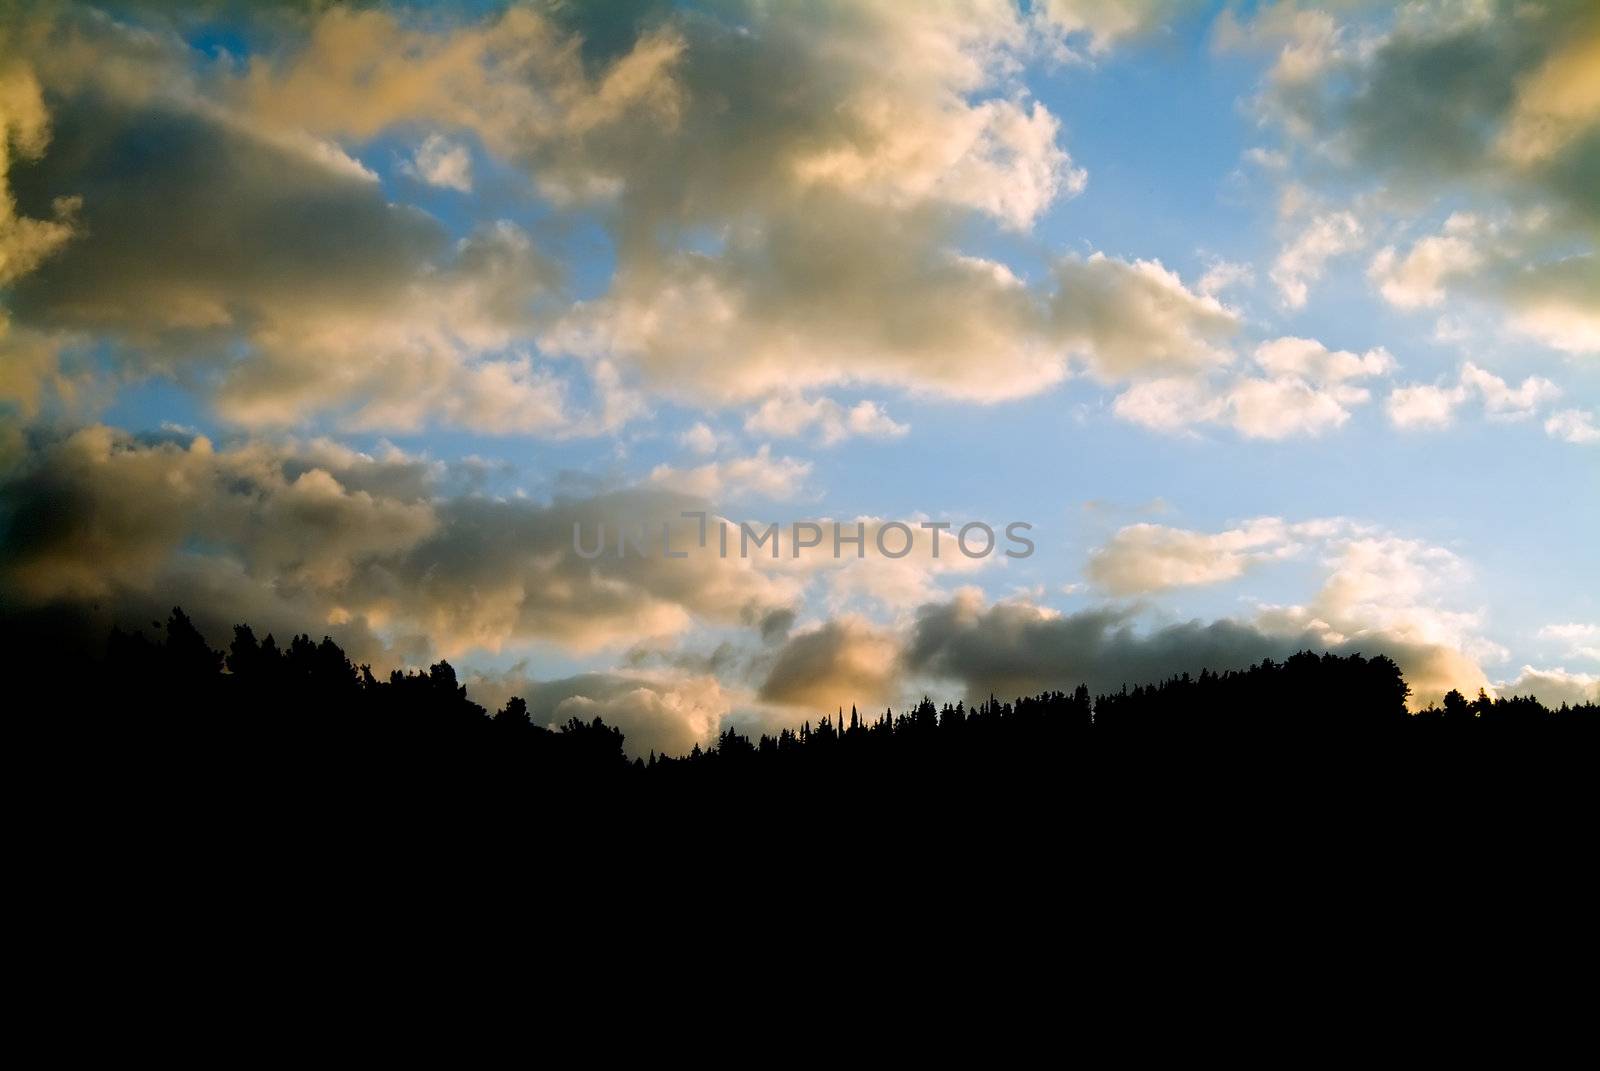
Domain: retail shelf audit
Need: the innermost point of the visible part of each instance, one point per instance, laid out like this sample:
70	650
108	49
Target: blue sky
1157	279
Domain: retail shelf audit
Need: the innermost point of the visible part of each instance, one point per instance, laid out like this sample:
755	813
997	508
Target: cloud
1224	275
858	303
1416	279
513	78
793	202
1307	390
1101	24
1143	558
1301	261
25	132
1553	687
1308	41
700	439
33	378
1136	318
1433	406
793	417
1377	581
825	103
1504	88
842	662
1394	585
316	533
1573	426
399	557
1501	401
1524	262
1267	159
439	162
863	135
1311	360
1555	302
665	713
1424	406
1580	640
1380	592
1017	648
897	584
760	474
809	237
1002	161
834	294
1557	104
193	218
272	271
1507	94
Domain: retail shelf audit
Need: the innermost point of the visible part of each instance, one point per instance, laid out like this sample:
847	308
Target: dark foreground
265	802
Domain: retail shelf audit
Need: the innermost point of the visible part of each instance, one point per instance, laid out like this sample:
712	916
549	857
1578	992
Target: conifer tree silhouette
292	721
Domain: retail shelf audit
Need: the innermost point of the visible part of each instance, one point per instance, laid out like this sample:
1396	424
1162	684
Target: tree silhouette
301	722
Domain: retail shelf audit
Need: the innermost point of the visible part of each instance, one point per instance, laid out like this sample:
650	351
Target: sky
1278	325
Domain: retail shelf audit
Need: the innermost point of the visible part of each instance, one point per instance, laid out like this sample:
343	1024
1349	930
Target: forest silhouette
284	787
159	754
305	710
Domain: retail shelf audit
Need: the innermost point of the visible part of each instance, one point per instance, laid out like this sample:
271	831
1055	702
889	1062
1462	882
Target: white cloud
1505	402
1224	275
1310	360
1000	158
1424	406
1573	426
759	474
787	416
1100	24
1389	593
1136	318
1553	687
1421	406
1285	407
1307	390
1145	558
1580	640
1417	279
1301	261
1267	159
700	439
440	162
